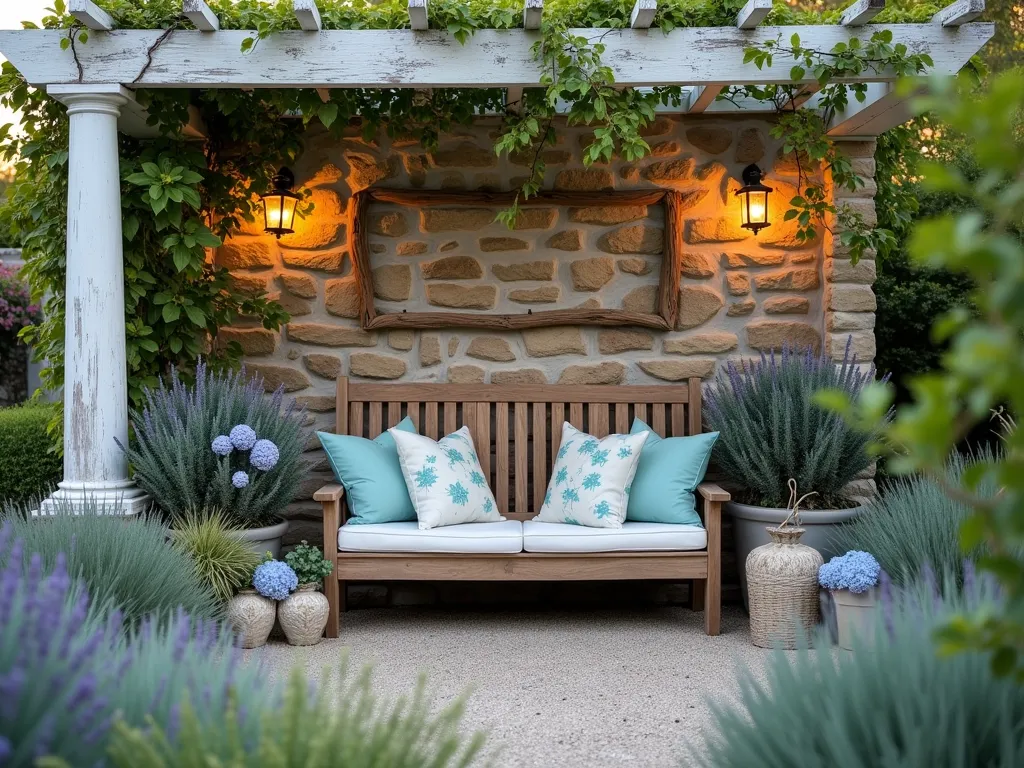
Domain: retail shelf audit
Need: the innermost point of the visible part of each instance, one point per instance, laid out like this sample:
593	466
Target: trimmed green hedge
27	466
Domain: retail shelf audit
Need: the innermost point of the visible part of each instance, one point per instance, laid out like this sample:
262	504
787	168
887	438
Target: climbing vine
181	197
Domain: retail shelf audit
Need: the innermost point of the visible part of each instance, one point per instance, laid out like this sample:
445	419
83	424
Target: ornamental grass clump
221	559
125	563
219	444
771	430
894	701
913	523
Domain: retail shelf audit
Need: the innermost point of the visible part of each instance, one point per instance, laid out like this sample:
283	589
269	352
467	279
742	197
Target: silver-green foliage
174	462
894	701
343	726
771	430
125	562
914	523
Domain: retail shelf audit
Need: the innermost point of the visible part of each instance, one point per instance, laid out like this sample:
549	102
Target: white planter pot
252	617
266	539
855	616
303	615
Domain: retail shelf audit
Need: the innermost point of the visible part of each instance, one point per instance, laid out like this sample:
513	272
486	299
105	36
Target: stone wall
740	294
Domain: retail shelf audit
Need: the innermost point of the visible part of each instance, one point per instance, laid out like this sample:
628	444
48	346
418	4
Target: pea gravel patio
572	689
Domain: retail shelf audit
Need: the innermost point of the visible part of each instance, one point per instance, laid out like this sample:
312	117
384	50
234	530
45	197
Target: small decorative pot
266	539
303	615
252	615
855	615
782	581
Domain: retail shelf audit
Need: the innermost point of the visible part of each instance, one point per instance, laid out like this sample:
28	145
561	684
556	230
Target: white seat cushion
631	537
505	537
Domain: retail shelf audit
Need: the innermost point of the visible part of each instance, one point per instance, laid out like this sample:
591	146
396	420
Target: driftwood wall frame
668	289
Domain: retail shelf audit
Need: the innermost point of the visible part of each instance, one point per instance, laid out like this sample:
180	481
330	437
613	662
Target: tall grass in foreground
894	701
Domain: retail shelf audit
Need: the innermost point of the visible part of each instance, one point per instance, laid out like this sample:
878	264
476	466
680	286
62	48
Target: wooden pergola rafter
96	81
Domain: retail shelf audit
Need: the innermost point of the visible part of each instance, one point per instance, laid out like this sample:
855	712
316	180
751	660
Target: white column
95	372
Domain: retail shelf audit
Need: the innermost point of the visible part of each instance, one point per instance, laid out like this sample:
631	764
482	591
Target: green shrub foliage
913	523
771	431
173	457
338	727
126	562
222	560
892	702
309	563
28	465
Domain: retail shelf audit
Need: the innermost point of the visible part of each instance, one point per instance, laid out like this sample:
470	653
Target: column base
111	498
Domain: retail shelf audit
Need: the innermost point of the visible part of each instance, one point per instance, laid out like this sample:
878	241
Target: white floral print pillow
590	480
445	480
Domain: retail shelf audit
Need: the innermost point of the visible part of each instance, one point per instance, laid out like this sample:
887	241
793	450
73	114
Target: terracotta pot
303	615
855	615
782	577
266	539
750	530
252	617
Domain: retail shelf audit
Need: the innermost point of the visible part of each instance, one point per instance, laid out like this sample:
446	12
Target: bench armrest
713	492
329	493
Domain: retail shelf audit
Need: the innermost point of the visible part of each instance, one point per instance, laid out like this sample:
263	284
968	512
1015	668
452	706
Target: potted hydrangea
252	611
852	578
221	444
303	614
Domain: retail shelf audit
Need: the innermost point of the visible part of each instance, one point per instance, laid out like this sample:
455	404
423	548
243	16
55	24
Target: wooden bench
516	430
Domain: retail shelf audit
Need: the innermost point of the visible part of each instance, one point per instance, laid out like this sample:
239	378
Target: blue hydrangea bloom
222	445
275	579
264	455
240	479
856	571
243	437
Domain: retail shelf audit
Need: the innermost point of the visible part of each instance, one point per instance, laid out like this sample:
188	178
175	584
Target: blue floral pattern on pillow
590	480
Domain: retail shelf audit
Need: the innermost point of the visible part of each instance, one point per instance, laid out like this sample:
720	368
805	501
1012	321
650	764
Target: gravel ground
568	688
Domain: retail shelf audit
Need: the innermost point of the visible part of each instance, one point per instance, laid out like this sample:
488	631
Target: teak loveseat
516	430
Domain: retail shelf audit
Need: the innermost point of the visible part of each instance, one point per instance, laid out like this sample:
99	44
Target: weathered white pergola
97	88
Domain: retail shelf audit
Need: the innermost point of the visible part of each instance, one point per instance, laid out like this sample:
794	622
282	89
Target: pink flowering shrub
16	307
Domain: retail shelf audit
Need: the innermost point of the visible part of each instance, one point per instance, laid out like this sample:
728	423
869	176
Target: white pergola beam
90	15
642	15
199	13
959	13
704	97
881	110
434	59
753	13
533	12
861	12
307	14
418	14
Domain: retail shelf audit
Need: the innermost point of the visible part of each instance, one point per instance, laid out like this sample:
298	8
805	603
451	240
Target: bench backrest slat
517	428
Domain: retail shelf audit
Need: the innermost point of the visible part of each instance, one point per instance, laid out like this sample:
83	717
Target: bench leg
713	583
334	591
697	587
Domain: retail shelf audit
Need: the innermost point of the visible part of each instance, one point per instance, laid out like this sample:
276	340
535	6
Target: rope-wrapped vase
782	581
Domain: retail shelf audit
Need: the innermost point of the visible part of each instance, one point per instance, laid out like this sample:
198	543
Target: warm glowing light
279	205
753	196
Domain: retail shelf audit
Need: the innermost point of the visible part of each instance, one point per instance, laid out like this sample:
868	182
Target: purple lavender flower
275	579
240	479
243	437
222	445
264	455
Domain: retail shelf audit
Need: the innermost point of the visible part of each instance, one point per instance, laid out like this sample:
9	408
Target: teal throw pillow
374	486
669	471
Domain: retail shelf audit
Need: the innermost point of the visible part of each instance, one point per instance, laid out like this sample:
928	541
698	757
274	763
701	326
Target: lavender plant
895	702
69	668
771	430
127	564
220	443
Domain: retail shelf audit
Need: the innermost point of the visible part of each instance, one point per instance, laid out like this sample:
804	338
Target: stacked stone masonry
740	294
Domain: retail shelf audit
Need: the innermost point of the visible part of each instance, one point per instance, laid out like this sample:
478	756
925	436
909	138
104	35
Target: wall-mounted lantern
279	204
753	200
